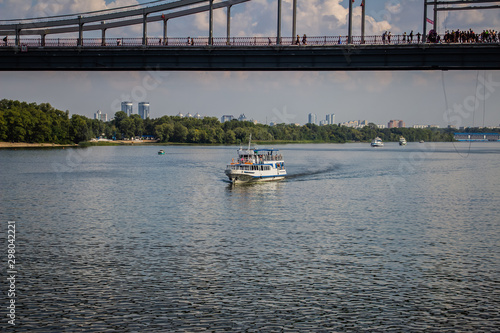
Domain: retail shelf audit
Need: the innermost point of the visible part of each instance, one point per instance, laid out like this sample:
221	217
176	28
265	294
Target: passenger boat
402	141
377	142
161	152
254	164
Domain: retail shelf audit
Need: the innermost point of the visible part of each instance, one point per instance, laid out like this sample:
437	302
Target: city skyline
457	98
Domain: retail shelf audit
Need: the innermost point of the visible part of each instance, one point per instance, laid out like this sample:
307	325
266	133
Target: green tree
79	130
180	133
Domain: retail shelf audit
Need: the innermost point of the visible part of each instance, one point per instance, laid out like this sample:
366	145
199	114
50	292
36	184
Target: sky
457	98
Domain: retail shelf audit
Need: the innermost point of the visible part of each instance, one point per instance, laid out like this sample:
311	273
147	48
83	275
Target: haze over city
414	97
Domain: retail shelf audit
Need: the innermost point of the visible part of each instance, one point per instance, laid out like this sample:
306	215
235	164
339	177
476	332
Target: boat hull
241	176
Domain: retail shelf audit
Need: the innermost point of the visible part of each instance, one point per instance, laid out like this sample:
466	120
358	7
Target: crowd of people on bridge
455	36
487	36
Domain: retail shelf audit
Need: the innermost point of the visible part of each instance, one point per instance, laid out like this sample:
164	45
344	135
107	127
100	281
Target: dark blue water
356	239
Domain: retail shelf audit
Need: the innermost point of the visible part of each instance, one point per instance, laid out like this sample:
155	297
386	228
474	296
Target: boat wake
312	173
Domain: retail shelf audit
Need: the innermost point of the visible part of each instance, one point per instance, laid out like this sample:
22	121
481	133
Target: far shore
32	145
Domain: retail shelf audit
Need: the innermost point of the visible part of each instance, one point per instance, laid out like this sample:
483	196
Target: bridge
26	46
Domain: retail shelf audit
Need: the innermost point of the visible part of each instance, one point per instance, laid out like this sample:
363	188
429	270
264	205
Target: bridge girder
256	58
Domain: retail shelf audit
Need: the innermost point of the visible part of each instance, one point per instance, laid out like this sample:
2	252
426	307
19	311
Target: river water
355	239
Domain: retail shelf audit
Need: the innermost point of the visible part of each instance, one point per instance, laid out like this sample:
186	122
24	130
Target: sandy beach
31	145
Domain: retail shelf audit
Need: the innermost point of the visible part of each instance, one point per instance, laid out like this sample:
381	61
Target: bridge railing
218	41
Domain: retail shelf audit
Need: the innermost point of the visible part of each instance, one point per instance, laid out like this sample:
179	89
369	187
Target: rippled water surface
355	239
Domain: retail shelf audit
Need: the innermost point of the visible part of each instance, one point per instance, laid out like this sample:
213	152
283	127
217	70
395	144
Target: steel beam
442	9
459	2
123	23
102	17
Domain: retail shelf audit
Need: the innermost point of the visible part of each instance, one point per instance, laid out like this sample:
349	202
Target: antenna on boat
249	140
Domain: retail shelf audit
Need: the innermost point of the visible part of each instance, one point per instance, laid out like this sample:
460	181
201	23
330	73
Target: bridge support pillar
435	16
103	35
294	19
424	33
145	29
278	33
80	31
228	30
363	21
211	23
165	41
18	36
349	33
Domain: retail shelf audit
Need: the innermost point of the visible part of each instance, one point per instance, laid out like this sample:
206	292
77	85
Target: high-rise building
226	117
242	117
128	108
330	119
100	116
395	124
144	110
312	119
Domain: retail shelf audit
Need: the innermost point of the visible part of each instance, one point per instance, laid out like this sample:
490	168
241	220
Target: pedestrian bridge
27	47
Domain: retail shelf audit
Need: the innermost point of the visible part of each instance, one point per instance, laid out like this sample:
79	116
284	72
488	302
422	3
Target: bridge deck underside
272	58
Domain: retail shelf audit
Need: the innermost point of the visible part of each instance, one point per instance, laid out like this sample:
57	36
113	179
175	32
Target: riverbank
32	145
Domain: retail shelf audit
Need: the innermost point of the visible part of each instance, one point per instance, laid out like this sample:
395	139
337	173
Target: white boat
402	141
377	142
254	164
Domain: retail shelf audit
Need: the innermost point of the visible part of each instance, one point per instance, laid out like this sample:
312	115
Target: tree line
42	123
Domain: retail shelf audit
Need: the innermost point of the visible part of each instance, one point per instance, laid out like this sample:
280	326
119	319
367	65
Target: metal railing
223	41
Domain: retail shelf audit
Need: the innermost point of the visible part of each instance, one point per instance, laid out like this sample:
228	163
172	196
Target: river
355	239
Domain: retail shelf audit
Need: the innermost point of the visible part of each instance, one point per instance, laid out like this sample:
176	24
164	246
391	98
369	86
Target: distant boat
256	165
422	141
161	152
402	141
377	142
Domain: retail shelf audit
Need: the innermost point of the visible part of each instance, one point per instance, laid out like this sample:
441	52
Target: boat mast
249	139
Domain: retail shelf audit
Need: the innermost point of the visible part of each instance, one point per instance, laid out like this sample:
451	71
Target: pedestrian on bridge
5	40
304	40
410	40
297	41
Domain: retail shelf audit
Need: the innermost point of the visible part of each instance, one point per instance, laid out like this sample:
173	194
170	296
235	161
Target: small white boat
161	152
402	141
377	142
254	164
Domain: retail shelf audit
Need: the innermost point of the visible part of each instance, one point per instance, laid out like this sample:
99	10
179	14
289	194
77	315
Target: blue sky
415	97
